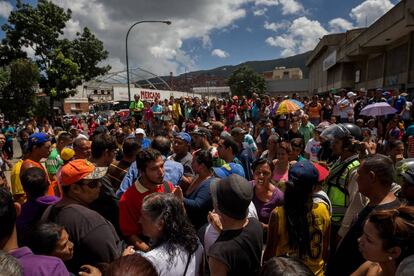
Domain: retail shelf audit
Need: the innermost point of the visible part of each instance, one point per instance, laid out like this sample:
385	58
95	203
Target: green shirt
307	131
53	162
136	105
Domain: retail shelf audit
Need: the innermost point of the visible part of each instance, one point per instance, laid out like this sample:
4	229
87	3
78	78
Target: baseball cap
229	169
351	94
37	139
323	172
184	136
66	154
232	196
79	169
304	172
140	131
387	94
202	131
237	130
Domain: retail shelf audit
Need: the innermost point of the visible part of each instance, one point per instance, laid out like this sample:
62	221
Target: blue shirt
246	158
8	129
199	203
173	171
145	143
157	108
399	103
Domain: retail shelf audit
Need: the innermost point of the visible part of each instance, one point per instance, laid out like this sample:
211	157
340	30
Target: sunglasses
93	184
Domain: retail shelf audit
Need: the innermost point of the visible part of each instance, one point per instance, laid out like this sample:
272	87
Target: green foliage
63	63
17	88
245	81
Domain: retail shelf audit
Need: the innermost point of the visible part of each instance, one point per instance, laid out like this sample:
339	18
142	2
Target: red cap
323	172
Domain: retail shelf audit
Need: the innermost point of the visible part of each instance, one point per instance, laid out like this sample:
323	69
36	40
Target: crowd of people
235	186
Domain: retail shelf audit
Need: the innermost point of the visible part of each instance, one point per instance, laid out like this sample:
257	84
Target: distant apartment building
283	81
379	56
283	73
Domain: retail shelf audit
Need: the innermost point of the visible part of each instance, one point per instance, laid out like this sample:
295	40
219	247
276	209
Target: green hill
261	66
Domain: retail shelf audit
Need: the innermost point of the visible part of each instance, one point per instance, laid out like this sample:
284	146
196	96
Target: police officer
341	185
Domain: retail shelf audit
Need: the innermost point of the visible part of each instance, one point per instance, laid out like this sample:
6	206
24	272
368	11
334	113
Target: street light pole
126	48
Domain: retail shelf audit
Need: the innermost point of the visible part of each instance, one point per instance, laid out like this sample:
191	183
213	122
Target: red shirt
130	207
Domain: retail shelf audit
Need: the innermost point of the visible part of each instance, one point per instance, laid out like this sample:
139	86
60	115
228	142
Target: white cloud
249	30
267	2
273	26
219	53
369	11
288	6
291	7
260	12
30	51
5	9
302	35
155	47
338	25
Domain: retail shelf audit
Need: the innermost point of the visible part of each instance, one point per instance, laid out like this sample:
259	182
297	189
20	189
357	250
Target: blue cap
184	136
304	172
37	139
228	169
387	94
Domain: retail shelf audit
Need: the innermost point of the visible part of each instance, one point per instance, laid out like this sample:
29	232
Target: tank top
318	226
280	177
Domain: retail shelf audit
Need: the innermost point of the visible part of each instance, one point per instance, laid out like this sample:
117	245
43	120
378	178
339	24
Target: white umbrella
378	109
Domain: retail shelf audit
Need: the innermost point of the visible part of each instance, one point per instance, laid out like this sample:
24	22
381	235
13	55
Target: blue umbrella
300	104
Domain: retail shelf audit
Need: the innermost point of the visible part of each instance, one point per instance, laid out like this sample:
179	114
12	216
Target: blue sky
210	33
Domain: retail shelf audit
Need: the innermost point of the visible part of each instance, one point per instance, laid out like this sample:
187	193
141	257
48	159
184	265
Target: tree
245	81
17	88
63	63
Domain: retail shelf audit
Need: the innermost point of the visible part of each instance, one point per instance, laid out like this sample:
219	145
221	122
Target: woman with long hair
300	228
175	246
388	238
197	198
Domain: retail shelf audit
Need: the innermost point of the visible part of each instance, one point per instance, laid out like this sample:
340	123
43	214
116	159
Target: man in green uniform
341	185
136	108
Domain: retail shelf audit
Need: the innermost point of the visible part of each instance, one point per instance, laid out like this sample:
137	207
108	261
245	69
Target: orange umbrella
287	106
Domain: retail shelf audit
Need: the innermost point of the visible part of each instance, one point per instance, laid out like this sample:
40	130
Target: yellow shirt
16	185
320	223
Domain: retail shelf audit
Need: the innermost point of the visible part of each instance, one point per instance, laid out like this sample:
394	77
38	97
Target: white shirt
160	259
343	113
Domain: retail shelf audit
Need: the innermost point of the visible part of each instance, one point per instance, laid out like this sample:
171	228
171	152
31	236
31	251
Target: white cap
351	94
140	131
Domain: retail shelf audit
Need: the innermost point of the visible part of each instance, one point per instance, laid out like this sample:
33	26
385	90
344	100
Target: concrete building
283	73
287	87
381	55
